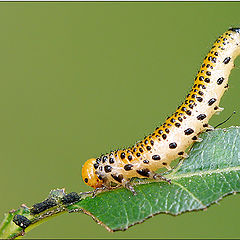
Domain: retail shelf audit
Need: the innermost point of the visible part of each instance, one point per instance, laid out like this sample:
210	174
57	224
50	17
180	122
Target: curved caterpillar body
178	132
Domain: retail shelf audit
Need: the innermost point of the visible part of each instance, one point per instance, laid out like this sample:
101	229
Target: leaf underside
211	172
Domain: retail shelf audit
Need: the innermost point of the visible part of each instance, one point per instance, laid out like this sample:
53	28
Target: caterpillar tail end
235	30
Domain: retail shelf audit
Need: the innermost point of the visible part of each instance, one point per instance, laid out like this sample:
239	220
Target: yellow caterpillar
178	132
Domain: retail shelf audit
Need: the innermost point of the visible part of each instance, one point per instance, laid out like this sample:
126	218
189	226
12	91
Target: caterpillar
178	132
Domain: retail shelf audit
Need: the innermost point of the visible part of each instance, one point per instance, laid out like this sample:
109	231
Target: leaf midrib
200	173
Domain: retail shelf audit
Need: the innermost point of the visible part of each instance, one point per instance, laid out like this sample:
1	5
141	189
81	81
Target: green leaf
210	173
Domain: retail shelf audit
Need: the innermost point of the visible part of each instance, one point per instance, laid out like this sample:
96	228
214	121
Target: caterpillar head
89	176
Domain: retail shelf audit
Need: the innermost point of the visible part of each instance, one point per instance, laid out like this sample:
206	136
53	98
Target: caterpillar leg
168	167
152	175
180	161
105	186
98	190
158	176
197	139
184	155
219	110
208	127
94	192
130	187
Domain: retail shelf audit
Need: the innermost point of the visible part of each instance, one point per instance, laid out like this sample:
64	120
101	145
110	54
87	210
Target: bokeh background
79	79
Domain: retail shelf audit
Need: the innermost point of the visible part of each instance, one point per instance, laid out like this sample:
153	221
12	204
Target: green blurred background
79	79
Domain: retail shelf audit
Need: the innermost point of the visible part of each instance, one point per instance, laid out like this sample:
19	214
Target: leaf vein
200	173
190	193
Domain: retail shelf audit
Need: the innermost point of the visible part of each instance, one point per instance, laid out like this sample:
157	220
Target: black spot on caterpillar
21	221
42	206
70	198
178	132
